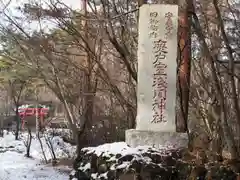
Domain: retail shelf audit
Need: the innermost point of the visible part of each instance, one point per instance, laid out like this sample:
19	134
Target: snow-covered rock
118	161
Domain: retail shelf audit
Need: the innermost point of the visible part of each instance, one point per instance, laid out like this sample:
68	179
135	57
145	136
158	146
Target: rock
198	172
102	168
94	163
137	165
145	175
111	174
80	175
119	172
218	172
128	176
184	169
118	156
148	164
128	157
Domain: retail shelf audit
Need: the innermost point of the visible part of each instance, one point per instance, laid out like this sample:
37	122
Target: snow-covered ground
14	165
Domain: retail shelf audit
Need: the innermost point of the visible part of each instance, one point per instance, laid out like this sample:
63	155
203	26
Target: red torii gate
39	112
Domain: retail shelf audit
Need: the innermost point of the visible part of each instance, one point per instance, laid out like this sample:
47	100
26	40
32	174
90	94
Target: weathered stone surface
151	164
136	138
157	67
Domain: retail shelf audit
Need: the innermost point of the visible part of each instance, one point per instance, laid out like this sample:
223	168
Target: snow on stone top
111	148
120	148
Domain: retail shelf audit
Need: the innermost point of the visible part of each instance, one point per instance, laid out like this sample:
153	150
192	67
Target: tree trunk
17	119
41	145
231	67
29	142
217	143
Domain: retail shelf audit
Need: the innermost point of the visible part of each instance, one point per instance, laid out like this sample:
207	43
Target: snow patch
61	149
14	165
121	148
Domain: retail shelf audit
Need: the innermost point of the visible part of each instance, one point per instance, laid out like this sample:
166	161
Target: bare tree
28	141
89	63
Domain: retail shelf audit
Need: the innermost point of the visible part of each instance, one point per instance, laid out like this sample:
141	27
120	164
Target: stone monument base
156	139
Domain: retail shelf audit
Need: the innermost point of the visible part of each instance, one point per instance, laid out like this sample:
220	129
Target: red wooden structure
40	113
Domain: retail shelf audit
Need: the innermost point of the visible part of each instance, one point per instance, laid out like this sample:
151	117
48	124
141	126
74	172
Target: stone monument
157	79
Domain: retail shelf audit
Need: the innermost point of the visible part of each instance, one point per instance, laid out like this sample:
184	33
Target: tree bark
184	65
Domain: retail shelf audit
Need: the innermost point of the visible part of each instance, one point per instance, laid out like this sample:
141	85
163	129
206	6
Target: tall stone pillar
157	79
